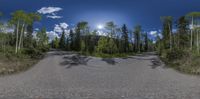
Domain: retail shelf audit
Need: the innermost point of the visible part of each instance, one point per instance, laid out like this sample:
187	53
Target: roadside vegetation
180	48
19	50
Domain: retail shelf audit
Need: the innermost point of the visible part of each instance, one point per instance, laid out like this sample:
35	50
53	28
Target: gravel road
65	75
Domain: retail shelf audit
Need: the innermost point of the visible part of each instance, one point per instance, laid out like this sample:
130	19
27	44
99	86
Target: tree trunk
197	41
25	30
20	40
170	38
191	42
16	48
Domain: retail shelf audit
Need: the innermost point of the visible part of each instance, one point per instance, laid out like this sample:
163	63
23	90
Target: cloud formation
57	31
50	12
64	25
153	33
6	29
52	35
101	33
54	16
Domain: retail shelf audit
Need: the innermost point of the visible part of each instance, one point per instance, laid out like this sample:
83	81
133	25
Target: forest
118	41
20	49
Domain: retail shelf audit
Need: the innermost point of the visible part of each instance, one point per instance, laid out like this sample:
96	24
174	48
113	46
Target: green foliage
92	44
82	46
77	42
137	35
106	45
193	14
111	27
55	43
112	47
182	35
176	54
167	29
19	50
33	53
42	38
102	45
71	40
146	41
62	41
125	41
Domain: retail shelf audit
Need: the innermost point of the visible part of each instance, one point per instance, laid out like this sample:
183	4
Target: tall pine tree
125	38
62	41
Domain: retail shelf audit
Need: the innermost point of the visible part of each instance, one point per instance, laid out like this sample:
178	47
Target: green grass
11	63
188	65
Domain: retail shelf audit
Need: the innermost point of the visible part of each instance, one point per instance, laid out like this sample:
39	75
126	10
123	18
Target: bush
43	49
176	54
34	53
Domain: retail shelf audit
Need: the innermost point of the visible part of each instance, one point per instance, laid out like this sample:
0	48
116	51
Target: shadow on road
74	60
155	61
110	61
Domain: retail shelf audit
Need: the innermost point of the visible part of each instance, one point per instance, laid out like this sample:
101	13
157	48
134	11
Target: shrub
176	54
34	53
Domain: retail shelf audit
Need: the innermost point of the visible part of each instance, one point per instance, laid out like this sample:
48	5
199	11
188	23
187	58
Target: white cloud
67	32
153	33
64	25
49	10
35	34
174	30
101	33
36	29
156	33
154	41
58	29
6	29
54	16
52	35
160	35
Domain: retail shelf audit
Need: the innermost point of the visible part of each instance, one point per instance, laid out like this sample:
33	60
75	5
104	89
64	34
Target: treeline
179	43
21	40
116	40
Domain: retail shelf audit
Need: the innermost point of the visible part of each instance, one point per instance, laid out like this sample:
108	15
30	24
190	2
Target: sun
100	26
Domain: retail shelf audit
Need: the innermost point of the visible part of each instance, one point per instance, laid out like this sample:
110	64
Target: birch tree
193	16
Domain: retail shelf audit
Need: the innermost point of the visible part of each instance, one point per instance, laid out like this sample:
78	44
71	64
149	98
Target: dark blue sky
132	12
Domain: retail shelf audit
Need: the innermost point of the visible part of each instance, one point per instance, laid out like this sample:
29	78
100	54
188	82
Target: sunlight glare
100	26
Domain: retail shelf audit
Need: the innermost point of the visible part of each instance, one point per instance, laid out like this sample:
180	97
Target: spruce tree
71	40
62	41
125	38
77	46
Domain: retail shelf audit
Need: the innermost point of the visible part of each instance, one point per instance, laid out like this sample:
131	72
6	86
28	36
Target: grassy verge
11	63
188	63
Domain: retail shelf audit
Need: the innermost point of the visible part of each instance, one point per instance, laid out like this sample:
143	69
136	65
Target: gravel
66	75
